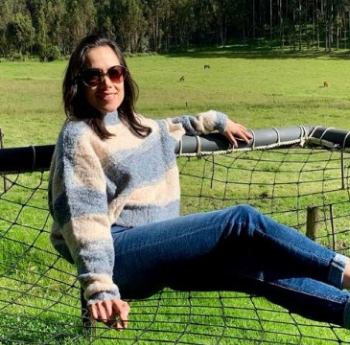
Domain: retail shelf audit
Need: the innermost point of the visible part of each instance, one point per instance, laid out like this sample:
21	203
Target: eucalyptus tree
240	19
340	9
186	20
129	23
20	33
158	19
15	27
229	15
49	26
104	18
5	17
158	25
78	20
205	32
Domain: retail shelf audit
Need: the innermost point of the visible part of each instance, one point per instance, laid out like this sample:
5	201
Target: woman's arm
80	211
210	121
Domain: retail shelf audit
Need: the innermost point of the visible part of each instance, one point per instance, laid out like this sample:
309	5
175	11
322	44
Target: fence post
1	147
332	226
312	222
343	169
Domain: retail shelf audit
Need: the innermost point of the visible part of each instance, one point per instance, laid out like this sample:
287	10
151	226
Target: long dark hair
75	105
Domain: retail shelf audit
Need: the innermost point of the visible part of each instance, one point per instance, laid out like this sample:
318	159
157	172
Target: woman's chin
108	109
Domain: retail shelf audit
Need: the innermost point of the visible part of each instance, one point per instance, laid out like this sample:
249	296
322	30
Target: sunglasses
92	77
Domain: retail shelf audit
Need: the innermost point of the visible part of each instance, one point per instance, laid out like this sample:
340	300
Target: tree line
51	28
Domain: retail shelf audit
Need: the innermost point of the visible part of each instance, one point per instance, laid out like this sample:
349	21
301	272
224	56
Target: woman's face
107	96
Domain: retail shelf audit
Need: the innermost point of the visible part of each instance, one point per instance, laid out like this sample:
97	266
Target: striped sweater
124	180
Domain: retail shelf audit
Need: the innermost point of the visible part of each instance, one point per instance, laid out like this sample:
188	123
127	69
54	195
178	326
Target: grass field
259	90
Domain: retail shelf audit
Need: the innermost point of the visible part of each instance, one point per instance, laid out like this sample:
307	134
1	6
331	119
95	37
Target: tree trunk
300	25
281	24
271	23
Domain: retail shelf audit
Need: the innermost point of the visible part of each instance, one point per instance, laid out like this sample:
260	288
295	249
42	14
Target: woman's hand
233	130
112	312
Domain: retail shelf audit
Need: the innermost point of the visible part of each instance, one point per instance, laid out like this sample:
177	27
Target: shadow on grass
241	51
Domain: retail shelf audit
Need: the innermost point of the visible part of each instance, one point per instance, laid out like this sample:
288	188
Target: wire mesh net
40	299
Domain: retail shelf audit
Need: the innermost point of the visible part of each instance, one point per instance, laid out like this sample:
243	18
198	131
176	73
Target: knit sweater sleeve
202	123
80	210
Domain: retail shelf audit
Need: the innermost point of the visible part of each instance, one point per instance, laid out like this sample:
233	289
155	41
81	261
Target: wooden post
312	222
332	227
342	167
1	147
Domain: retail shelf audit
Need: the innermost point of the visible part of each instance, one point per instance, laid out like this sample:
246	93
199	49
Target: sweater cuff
221	121
102	296
99	290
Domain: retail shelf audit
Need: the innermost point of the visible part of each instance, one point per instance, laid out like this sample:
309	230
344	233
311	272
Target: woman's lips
107	96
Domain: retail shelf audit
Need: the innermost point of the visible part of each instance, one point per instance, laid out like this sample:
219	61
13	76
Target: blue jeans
233	249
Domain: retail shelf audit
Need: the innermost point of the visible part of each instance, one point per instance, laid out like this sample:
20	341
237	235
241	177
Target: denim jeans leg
285	246
291	289
148	258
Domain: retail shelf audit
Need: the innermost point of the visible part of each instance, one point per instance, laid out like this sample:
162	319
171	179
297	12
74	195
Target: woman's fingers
113	313
121	309
233	130
94	311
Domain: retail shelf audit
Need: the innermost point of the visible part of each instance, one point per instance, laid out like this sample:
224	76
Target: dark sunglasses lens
91	77
116	74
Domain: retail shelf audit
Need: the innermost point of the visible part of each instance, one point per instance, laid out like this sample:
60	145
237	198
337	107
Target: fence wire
40	300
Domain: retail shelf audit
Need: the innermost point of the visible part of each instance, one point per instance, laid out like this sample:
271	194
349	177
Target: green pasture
259	90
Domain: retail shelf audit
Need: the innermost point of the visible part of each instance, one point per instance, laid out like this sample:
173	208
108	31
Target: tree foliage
53	27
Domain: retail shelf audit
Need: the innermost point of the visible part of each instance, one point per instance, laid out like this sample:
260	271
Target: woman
114	197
